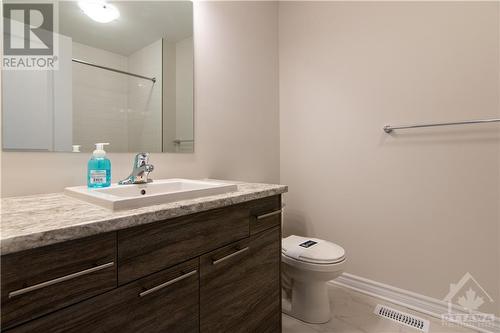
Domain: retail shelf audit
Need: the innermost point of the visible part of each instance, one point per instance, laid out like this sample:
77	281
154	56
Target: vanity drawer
39	281
150	248
265	214
166	301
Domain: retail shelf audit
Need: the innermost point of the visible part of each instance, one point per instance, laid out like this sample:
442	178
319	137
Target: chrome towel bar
179	141
389	128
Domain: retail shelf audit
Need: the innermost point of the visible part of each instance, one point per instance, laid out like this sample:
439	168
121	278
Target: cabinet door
240	286
163	302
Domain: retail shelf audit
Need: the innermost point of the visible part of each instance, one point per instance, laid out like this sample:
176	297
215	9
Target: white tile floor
353	313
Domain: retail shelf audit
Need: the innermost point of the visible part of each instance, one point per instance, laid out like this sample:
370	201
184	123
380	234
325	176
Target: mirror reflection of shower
115	83
107	105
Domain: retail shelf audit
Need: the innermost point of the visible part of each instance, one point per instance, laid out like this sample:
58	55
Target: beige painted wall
419	208
236	110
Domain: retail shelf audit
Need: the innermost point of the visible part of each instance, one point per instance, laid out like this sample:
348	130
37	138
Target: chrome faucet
140	171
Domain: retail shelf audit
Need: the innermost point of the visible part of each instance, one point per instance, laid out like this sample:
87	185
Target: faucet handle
141	159
148	168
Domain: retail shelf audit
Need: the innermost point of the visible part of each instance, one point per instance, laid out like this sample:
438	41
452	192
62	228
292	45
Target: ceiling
140	24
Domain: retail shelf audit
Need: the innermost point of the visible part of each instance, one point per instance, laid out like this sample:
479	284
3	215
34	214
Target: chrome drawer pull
59	280
276	212
215	262
168	283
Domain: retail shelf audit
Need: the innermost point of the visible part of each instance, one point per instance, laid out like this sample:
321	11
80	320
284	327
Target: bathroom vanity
210	264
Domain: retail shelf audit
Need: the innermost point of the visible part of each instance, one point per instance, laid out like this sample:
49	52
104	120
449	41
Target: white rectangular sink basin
120	197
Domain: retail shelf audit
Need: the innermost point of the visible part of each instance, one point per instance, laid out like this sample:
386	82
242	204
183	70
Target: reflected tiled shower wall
144	99
178	95
99	99
108	106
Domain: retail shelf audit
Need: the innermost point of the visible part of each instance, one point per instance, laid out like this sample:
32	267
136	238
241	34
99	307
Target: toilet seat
312	250
306	266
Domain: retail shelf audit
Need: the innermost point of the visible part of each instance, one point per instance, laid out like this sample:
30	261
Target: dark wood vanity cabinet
214	271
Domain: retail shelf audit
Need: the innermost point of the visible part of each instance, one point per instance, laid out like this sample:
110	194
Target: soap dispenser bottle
99	168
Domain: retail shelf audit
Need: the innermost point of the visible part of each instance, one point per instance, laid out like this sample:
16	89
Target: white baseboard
423	304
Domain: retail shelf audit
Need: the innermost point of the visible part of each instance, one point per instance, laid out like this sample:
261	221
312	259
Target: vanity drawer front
265	214
39	281
166	301
147	249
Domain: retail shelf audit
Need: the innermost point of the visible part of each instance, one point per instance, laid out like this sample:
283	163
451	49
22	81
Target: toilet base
310	302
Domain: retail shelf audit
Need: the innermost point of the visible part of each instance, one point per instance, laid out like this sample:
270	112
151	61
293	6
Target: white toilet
308	264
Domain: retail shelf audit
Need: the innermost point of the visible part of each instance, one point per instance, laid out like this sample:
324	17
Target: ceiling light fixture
99	11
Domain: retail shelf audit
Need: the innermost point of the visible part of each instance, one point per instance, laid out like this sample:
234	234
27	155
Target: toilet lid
312	250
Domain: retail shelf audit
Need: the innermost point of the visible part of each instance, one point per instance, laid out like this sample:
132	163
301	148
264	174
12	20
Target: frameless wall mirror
125	76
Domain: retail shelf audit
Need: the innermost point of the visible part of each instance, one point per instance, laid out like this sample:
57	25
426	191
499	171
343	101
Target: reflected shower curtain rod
113	70
389	128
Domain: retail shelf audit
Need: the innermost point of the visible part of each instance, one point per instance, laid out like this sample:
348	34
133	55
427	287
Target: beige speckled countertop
39	220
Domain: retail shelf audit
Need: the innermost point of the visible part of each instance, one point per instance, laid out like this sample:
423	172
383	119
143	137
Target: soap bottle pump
99	168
